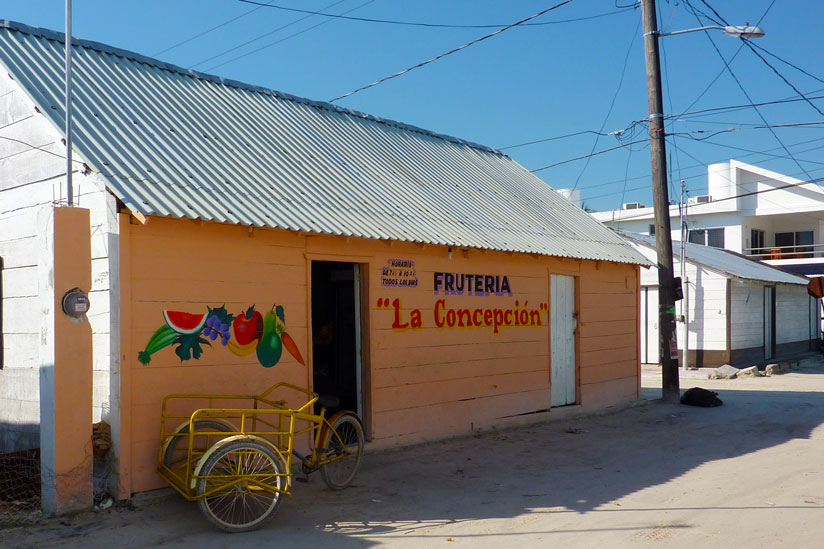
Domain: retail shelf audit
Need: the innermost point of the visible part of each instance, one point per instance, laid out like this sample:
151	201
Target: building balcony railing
787	252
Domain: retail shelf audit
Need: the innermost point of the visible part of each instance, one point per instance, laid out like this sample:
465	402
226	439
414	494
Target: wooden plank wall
423	382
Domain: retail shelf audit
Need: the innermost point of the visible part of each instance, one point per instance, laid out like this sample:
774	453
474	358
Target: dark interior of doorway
334	345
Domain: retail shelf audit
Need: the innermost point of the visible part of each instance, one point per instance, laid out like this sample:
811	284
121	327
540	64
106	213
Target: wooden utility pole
667	348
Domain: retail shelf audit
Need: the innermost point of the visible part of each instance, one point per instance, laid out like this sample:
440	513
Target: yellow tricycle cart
233	453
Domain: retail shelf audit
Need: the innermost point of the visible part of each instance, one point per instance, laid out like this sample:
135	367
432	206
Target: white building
748	210
740	311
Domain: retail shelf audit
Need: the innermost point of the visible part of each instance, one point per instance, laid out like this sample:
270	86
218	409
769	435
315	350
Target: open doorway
769	322
336	333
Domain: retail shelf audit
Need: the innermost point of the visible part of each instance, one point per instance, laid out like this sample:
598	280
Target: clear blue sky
528	83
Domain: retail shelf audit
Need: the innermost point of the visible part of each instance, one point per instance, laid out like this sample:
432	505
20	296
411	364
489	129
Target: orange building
434	285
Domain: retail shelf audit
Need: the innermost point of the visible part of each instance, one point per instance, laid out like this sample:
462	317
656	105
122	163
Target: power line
551	139
430	25
676	117
611	104
765	50
459	48
753	152
744	91
714	80
264	35
782	77
742	195
207	31
689	135
626	174
732	108
718	15
589	155
729	180
703	164
669	99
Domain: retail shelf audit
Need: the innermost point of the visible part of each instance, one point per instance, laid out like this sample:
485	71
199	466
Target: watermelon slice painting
184	323
188	332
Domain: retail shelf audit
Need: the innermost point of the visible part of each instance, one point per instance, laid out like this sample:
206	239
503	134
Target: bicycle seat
328	401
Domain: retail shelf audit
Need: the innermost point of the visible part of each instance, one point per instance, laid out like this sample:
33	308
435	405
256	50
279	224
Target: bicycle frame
263	419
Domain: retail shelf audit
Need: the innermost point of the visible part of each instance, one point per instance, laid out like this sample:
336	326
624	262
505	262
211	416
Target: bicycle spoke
241	485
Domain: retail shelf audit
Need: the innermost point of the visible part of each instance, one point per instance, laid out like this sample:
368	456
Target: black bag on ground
700	397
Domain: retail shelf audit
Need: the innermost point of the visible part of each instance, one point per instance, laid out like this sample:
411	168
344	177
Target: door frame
363	322
769	308
576	337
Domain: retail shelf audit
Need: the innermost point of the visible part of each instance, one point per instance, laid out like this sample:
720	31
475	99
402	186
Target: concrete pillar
64	263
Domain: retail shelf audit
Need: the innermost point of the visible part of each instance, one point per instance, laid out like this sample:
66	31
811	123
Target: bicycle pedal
301	479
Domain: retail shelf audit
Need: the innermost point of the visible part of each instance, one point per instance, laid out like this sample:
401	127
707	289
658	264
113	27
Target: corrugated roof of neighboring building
175	142
722	261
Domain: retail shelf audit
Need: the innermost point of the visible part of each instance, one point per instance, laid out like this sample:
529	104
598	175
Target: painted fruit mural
264	335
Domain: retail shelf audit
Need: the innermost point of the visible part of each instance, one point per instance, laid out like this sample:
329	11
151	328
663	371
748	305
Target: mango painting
243	334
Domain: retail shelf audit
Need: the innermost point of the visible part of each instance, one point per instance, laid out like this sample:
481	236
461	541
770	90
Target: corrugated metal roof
174	142
722	261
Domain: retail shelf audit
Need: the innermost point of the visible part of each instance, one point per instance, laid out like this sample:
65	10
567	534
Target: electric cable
207	31
429	25
551	139
611	104
253	40
747	95
454	50
588	155
781	76
796	67
703	165
744	185
742	195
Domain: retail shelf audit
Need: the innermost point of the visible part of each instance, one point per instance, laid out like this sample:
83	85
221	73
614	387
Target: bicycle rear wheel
347	447
239	484
177	445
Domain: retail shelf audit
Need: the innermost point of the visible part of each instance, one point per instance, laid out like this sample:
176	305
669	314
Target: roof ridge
49	34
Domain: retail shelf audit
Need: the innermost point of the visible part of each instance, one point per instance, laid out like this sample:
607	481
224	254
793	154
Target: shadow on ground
573	466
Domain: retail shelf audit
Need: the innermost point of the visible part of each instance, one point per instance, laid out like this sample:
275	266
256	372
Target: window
795	245
707	237
757	241
715	238
652	228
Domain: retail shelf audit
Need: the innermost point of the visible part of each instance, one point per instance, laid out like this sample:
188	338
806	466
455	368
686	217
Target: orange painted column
66	362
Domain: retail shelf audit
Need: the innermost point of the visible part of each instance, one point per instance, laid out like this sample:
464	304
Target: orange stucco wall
419	382
69	385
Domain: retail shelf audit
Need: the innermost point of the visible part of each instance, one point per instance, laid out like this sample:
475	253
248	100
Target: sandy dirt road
749	474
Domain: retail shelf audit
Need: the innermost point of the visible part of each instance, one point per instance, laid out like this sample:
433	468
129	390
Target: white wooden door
649	325
563	326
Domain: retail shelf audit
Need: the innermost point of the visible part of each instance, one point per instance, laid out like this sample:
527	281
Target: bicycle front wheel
240	485
345	448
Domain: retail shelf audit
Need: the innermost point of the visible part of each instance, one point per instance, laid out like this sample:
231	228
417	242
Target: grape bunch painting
243	334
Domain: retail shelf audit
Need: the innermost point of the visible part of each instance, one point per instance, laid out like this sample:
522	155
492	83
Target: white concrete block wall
32	168
20	167
707	303
104	230
707	309
792	313
747	305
